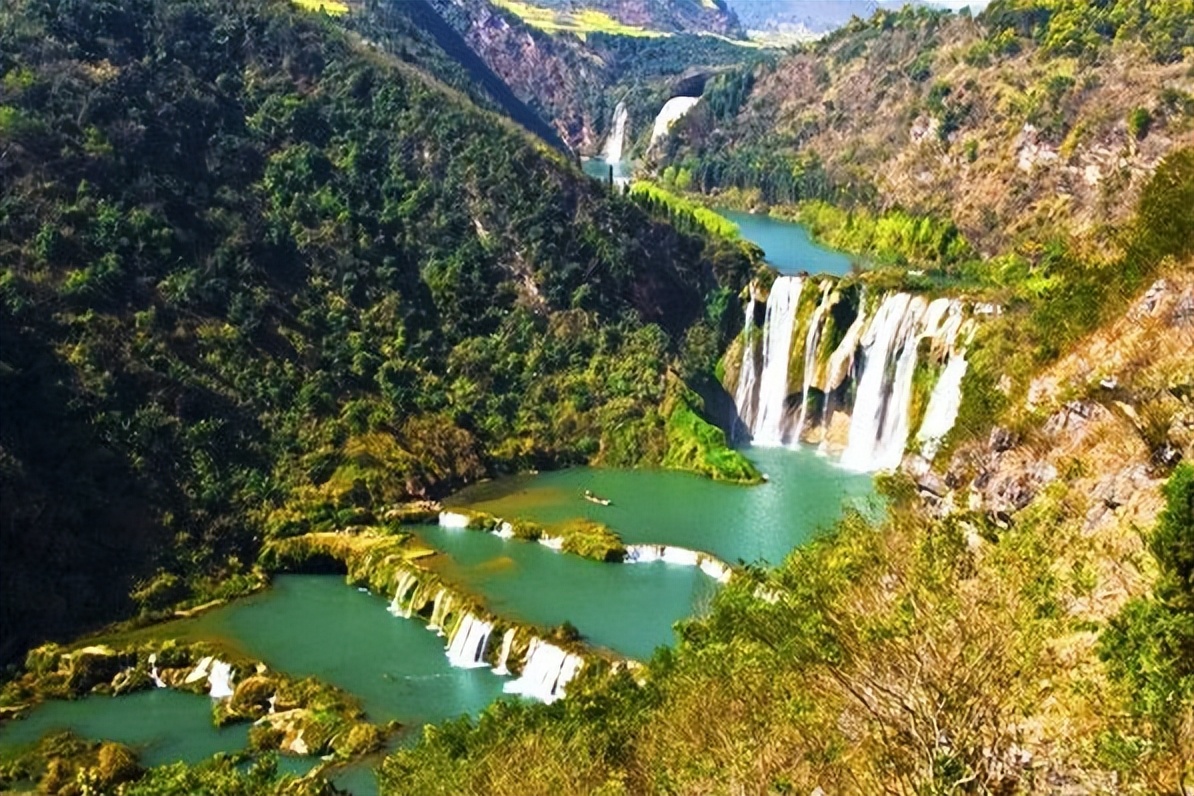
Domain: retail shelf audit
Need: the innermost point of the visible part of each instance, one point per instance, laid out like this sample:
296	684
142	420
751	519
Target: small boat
600	501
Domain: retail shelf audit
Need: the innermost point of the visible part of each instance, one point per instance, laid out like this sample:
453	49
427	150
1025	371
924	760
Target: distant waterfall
746	395
777	345
671	112
467	647
546	671
220	680
612	153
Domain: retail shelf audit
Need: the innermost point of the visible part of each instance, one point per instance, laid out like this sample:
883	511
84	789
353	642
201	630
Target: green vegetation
684	213
1149	649
277	284
695	444
892	237
592	540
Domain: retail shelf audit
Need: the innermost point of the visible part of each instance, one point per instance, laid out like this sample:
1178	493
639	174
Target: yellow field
333	7
580	23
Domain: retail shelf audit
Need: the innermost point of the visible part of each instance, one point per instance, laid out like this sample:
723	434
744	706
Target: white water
812	341
879	425
405	581
153	671
440	606
547	670
451	519
671	112
554	542
746	395
943	406
504	656
777	345
220	680
612	153
504	530
466	650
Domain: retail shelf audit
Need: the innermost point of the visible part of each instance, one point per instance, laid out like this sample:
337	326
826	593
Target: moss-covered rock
592	540
697	445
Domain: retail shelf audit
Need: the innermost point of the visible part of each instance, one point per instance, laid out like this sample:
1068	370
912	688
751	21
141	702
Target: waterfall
669	114
440	607
943	406
617	137
504	656
777	344
220	680
466	650
405	581
505	530
452	519
154	674
746	395
554	542
812	341
546	671
879	425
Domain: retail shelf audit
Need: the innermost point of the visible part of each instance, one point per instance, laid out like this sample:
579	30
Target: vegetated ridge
258	278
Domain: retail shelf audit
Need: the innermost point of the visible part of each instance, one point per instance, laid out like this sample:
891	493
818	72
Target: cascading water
746	395
220	680
466	650
672	110
879	424
405	582
547	670
439	609
812	341
777	344
943	406
612	153
504	655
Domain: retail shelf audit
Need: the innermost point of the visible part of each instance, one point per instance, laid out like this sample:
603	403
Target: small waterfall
548	669
612	153
879	425
440	607
746	395
466	650
671	112
452	519
405	582
554	542
943	406
220	680
504	656
504	530
154	674
777	345
812	342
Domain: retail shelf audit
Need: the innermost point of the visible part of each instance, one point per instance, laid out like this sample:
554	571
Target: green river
316	625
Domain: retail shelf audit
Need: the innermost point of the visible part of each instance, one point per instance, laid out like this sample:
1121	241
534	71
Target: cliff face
558	77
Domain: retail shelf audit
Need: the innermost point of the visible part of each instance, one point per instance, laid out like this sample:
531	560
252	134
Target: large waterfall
614	144
858	388
777	345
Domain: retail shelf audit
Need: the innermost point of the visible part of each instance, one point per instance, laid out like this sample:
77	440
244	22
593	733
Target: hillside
259	277
1032	117
574	79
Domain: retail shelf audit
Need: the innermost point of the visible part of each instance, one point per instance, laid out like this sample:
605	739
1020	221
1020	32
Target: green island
614	397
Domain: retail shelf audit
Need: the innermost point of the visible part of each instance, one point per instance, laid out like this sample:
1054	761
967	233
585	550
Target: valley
473	396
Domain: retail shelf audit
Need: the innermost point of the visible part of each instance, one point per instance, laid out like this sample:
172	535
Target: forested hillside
1030	120
258	277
